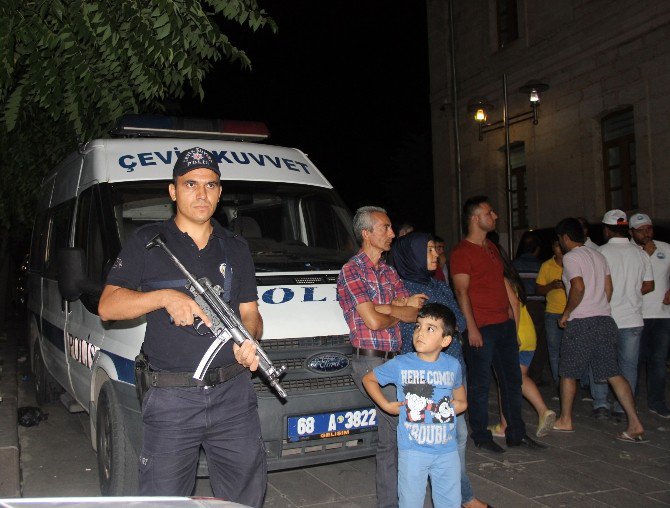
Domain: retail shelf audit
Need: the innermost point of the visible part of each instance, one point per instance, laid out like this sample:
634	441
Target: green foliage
23	164
70	68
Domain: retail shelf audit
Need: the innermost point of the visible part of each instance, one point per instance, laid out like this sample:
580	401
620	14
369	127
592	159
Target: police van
299	233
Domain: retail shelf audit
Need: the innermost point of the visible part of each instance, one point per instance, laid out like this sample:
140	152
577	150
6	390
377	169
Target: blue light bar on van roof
158	126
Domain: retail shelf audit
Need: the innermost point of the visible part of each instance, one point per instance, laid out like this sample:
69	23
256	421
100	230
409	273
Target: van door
55	307
84	331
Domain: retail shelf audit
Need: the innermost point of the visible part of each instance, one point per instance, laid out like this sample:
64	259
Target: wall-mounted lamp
480	107
534	89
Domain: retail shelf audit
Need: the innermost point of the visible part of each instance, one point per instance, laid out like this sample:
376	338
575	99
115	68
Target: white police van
299	233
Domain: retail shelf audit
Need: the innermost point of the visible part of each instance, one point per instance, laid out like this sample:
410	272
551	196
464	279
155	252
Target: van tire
46	388
117	460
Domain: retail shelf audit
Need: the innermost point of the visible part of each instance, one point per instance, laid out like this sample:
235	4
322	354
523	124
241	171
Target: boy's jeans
444	470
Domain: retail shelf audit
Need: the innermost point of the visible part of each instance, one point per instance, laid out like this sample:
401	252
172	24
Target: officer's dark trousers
224	420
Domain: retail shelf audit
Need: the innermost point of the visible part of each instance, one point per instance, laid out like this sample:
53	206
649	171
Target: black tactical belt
165	379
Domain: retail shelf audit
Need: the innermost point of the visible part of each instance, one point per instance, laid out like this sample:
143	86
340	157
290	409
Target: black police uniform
177	420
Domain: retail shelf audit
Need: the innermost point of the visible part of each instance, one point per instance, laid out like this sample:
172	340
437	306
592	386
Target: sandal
496	430
627	438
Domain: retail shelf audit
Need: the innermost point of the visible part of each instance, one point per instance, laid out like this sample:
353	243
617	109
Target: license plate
325	425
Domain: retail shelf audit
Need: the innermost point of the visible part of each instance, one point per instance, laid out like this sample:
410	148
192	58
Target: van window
60	222
88	234
326	224
288	227
38	242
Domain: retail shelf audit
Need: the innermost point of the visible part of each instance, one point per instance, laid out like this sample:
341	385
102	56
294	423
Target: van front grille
296	280
272	345
309	384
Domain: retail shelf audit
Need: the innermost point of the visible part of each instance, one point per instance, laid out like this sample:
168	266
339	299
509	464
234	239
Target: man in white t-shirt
655	343
585	227
631	278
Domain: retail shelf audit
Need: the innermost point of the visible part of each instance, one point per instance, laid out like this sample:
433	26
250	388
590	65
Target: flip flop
545	423
567	431
495	430
627	438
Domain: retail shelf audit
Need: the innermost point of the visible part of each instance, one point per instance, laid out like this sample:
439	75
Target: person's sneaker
663	412
601	413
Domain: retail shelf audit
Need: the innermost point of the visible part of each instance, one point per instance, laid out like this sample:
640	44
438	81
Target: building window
517	154
508	23
619	160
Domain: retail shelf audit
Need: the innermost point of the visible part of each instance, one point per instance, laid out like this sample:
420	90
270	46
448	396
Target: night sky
347	83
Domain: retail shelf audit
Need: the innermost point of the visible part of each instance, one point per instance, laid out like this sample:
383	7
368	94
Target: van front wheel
117	461
46	388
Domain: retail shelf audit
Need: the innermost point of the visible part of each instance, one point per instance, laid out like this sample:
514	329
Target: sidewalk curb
10	481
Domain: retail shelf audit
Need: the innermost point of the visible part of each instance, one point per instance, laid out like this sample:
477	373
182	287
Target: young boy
429	385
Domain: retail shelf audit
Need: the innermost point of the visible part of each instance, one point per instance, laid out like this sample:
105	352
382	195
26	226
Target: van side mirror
72	279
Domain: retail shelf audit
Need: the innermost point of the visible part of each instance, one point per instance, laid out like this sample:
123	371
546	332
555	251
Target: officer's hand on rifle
246	354
182	308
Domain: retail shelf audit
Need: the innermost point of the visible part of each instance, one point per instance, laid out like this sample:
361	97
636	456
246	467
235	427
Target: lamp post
480	106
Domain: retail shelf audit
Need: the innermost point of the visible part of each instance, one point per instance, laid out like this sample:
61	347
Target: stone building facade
603	136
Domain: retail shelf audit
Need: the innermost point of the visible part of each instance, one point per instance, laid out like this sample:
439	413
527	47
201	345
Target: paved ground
587	468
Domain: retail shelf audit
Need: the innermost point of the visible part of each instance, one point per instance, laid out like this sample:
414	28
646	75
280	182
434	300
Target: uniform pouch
141	375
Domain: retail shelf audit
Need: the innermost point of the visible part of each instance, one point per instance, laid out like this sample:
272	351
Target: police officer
180	414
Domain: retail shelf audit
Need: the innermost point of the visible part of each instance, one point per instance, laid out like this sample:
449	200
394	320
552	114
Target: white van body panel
282	309
153	159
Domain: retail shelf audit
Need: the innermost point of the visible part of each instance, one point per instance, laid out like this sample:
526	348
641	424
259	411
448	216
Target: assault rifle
225	324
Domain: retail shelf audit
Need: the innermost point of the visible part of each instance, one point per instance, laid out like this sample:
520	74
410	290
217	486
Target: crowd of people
429	334
422	350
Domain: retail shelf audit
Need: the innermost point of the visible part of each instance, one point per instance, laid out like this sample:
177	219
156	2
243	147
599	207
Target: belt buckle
203	384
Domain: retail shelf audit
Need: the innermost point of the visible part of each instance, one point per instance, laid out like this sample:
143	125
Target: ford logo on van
327	362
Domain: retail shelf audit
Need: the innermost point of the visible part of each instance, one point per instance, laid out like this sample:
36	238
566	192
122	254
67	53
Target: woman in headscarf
415	259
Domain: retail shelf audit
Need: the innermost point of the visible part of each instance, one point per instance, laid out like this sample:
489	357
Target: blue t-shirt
427	421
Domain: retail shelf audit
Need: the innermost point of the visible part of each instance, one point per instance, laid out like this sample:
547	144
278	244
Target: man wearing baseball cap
655	343
631	278
180	413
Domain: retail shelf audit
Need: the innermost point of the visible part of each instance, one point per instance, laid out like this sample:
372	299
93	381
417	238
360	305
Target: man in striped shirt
374	300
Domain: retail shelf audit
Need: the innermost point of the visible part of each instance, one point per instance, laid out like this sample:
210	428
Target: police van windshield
288	227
